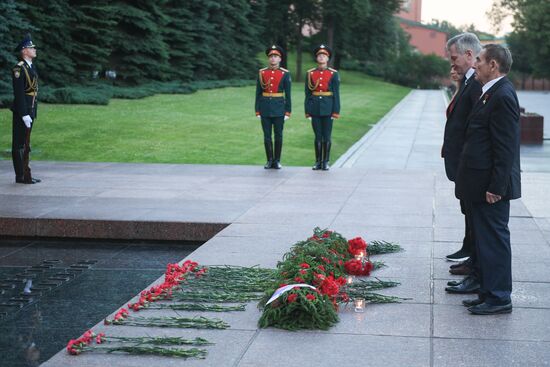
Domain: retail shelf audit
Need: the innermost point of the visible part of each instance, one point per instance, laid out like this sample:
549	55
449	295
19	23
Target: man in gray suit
462	50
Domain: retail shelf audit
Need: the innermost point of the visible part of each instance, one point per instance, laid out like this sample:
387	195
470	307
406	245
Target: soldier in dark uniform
273	104
25	89
322	104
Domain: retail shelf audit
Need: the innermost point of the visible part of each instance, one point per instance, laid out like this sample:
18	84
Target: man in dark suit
24	108
462	50
488	177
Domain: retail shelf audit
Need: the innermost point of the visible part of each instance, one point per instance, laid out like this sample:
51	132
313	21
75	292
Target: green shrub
416	70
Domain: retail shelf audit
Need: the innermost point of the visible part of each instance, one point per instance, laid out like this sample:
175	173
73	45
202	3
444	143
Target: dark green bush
416	70
101	93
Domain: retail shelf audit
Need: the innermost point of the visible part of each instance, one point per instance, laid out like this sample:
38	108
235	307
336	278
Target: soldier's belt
265	94
31	94
324	94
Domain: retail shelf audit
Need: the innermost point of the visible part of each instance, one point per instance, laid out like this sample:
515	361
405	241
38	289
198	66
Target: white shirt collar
28	62
469	73
489	84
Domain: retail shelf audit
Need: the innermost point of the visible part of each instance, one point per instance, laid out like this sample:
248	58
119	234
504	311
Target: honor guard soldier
322	104
25	89
273	104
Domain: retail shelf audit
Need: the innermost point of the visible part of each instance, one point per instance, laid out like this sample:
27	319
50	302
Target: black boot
269	154
278	149
317	165
18	156
326	155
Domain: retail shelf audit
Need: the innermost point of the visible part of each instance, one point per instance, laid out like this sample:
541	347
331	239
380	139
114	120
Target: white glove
286	117
27	120
309	118
259	116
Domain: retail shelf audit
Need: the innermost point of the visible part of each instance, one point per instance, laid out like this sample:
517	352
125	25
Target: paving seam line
354	152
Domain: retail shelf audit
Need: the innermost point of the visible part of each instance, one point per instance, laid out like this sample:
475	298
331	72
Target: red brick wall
411	10
426	40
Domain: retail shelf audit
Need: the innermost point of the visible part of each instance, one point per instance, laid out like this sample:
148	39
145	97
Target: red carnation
357	245
292	297
310	297
329	287
302	272
299	280
367	268
304	265
321	267
353	267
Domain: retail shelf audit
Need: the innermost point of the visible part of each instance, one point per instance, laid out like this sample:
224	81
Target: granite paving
390	185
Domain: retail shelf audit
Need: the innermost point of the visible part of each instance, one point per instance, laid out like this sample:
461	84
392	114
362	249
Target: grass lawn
211	126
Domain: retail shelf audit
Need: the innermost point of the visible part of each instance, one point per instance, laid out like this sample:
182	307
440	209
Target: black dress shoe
472	302
28	182
468	285
36	180
268	165
460	255
461	270
487	309
455	282
467	262
276	165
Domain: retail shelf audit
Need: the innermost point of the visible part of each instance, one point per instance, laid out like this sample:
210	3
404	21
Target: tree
302	13
226	38
276	28
339	18
92	30
52	21
13	26
446	27
375	37
139	53
178	34
521	54
532	23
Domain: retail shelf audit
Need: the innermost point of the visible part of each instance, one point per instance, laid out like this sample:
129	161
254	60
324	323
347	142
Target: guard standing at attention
322	104
273	104
25	90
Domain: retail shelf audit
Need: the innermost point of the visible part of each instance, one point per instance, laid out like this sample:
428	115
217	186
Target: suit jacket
269	82
325	81
490	158
25	88
455	127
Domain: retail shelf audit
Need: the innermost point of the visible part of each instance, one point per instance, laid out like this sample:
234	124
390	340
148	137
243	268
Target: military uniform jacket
490	157
322	93
455	127
273	93
25	89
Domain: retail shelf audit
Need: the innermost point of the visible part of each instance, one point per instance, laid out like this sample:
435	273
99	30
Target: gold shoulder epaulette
262	69
283	69
20	63
310	70
331	69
